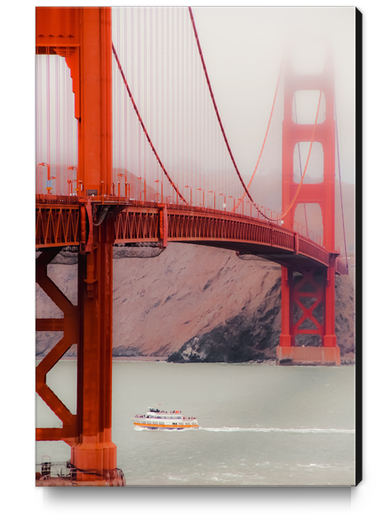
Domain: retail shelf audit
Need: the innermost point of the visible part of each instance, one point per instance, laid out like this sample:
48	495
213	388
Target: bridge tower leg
316	314
83	37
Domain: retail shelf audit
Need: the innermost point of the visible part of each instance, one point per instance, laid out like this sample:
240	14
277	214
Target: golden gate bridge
131	147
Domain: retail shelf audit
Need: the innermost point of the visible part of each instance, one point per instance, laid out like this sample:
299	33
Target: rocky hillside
192	303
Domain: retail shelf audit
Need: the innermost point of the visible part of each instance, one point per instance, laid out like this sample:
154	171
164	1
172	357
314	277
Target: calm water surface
260	425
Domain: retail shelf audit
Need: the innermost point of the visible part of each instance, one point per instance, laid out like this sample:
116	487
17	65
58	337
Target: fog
243	49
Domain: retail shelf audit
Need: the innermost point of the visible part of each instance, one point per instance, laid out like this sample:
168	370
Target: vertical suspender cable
215	106
178	156
170	72
147	137
145	100
117	170
125	111
152	107
48	112
139	90
340	186
189	134
57	124
171	90
38	102
182	96
264	140
64	124
133	170
161	74
68	121
150	86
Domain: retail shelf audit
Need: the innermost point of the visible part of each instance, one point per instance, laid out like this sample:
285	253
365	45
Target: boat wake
306	430
168	430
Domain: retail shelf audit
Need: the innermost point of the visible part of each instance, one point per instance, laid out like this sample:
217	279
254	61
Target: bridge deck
58	224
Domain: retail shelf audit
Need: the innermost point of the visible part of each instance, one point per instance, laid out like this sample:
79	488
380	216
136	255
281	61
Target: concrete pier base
328	356
55	482
66	474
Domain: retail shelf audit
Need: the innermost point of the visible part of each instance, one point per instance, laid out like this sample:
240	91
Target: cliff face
191	303
252	335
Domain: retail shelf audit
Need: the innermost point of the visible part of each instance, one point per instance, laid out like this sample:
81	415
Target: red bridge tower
308	298
83	37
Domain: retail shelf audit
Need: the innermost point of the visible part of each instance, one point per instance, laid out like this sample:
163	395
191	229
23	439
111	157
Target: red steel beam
148	223
83	37
70	327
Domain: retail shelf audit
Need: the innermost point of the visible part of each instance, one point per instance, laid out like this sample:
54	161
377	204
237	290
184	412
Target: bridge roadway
65	221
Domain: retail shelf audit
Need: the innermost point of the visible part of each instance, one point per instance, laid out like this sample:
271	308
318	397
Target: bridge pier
308	356
94	449
308	309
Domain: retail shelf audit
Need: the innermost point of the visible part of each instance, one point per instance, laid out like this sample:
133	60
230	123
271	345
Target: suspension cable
340	186
263	144
226	140
306	165
144	128
215	106
304	172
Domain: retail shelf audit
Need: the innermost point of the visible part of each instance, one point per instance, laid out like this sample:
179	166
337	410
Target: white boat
159	419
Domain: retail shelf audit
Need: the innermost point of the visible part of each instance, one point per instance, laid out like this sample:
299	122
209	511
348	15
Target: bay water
260	425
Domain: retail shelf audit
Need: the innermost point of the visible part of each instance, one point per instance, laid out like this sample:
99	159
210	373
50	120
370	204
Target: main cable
215	105
226	140
264	141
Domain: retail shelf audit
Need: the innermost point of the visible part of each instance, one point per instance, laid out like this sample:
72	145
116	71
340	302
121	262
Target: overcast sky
243	48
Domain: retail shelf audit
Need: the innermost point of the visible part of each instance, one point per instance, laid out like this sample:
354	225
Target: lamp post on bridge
49	177
80	188
128	189
224	201
203	196
145	188
161	191
191	194
119	184
70	181
70	187
214	201
233	200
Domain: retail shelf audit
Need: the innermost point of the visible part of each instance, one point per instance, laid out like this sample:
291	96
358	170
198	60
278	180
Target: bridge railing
141	223
58	224
57	199
341	268
210	224
313	250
